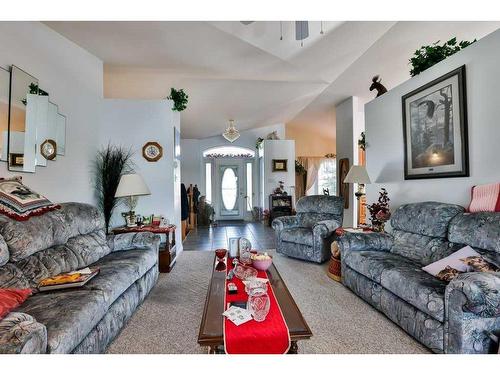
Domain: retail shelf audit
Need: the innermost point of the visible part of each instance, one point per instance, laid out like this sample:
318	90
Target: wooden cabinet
279	205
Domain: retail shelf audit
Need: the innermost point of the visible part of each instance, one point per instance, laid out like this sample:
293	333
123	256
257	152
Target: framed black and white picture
435	128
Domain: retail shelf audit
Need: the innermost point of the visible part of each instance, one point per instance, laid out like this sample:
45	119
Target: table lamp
358	175
131	186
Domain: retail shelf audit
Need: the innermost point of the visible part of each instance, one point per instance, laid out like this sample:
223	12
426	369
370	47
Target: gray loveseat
309	234
81	320
385	270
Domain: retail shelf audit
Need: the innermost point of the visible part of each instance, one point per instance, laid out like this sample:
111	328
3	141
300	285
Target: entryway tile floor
261	236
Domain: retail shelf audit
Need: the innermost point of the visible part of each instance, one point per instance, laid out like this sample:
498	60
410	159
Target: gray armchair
309	234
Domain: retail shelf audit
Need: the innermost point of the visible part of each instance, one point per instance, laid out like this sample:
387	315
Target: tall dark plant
110	164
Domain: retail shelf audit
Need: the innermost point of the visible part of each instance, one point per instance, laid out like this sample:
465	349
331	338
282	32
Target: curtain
311	164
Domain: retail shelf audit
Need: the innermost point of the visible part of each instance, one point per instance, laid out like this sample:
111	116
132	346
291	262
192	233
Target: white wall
131	124
350	124
278	149
384	130
73	77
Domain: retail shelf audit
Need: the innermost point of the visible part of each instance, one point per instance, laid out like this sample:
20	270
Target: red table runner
268	337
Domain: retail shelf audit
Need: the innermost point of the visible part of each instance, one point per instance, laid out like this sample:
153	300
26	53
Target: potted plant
427	56
110	164
180	99
379	211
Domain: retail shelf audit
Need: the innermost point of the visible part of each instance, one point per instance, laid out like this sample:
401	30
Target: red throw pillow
485	198
11	298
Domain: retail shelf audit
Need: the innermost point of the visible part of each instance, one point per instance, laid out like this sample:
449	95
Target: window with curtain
326	177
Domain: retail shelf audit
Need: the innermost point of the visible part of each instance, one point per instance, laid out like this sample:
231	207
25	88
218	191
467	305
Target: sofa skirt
419	325
118	314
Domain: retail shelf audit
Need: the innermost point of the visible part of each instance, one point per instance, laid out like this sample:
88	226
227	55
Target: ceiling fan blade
301	30
247	22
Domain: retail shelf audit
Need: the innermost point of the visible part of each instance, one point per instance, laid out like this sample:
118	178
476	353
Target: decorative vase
258	303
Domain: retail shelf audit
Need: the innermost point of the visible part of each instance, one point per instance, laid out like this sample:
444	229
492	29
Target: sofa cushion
421	249
371	263
310	219
481	230
78	252
416	287
53	228
71	314
4	252
303	236
427	218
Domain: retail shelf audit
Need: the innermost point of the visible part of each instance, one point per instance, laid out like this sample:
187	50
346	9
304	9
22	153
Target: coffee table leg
294	348
216	349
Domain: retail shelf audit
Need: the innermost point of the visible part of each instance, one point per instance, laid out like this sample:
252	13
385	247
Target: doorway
230	195
230	182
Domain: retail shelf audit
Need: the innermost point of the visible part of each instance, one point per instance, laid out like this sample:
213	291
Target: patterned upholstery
309	234
385	270
85	319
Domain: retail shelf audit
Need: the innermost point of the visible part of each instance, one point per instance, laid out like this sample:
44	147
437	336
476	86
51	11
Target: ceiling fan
301	29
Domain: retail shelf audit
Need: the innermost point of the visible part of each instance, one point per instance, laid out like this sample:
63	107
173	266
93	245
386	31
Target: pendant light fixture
231	133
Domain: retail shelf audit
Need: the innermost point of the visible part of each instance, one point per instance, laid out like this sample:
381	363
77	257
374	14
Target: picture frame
280	165
435	130
234	243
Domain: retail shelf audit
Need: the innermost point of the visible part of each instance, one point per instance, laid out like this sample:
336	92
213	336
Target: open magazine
73	279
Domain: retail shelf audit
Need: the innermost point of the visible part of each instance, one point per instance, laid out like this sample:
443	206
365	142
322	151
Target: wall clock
152	151
48	149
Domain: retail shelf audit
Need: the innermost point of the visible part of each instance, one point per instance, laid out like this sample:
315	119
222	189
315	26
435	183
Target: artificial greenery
362	141
299	168
427	56
258	143
180	99
110	164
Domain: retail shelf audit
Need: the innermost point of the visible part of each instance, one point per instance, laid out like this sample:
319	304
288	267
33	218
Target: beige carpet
169	319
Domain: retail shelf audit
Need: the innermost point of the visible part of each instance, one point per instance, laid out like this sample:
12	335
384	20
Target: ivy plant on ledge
427	56
180	99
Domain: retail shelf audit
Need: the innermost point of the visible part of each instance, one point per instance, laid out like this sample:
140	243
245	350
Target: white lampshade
357	175
131	185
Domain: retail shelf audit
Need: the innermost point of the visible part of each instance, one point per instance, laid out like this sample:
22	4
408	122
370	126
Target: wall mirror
4	112
36	131
22	121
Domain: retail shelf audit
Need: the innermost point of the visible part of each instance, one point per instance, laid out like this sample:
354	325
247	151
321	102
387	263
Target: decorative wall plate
152	151
48	149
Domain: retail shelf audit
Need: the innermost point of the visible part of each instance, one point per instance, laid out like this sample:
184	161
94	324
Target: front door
230	190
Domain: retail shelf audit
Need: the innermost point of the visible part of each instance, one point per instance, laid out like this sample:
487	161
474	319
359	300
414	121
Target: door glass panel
229	189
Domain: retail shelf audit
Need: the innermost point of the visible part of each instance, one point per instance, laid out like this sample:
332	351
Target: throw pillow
452	261
12	298
479	264
448	274
19	202
485	198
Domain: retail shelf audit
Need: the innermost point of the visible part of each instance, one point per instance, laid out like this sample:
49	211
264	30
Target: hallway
210	238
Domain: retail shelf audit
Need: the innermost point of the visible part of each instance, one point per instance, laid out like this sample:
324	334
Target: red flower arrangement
379	211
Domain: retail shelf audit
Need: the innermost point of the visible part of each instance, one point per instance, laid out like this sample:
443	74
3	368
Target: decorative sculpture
376	85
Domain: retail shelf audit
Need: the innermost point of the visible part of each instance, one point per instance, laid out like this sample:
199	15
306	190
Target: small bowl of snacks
262	261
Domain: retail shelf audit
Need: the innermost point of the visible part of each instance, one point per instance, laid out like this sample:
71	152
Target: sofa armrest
480	293
325	228
284	222
134	240
364	241
21	333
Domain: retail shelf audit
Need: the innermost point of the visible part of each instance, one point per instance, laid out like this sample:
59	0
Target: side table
334	267
167	254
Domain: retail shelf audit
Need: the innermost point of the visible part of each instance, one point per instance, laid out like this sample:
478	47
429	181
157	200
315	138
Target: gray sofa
309	234
80	320
385	270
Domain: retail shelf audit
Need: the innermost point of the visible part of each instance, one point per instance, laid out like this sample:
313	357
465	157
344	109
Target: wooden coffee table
211	328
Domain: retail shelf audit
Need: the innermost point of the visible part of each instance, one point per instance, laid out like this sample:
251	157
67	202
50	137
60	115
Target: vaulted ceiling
246	73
